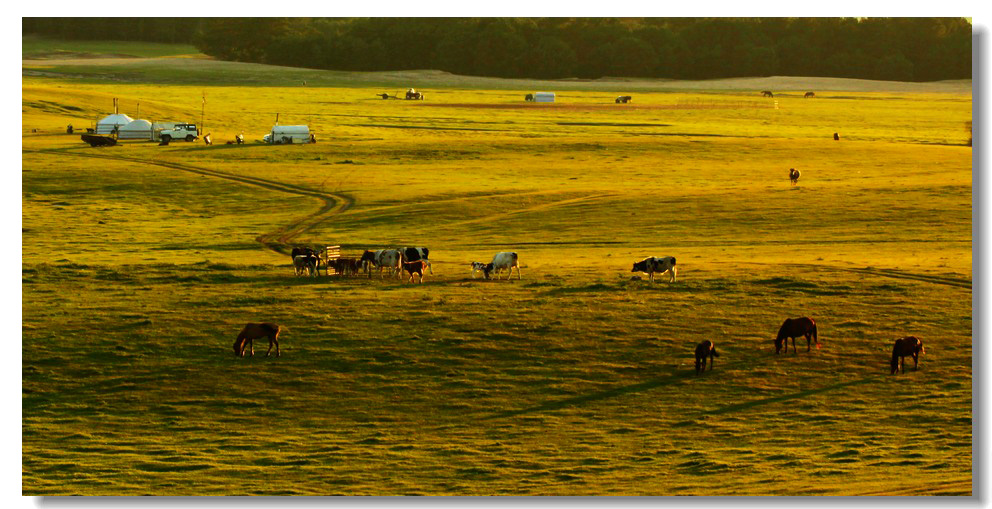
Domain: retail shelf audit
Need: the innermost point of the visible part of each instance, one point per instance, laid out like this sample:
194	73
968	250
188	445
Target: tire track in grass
333	203
897	274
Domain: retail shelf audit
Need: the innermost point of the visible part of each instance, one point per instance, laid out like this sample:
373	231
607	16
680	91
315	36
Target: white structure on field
139	129
108	123
544	97
289	134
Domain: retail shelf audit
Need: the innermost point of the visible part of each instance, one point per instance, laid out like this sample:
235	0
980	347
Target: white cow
505	260
391	258
653	264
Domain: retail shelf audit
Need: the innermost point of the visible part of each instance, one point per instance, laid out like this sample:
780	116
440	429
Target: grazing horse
794	176
704	349
807	95
793	328
767	93
909	345
529	97
251	332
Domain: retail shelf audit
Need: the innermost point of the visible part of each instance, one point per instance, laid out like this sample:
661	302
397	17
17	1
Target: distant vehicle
289	134
186	132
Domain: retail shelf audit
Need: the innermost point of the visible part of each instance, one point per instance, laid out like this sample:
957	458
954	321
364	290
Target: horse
624	99
836	137
807	95
793	328
251	332
706	348
767	93
529	97
909	345
794	176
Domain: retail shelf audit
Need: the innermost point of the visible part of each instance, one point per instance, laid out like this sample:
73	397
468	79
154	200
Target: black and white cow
478	267
413	254
653	264
505	260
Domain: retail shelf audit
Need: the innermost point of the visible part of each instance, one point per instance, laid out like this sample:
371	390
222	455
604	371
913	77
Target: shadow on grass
797	395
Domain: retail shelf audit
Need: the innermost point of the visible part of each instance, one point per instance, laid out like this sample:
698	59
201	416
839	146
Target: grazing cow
661	265
793	328
767	93
412	254
251	332
505	260
909	345
836	137
306	263
624	99
807	95
478	267
794	176
415	268
529	97
704	349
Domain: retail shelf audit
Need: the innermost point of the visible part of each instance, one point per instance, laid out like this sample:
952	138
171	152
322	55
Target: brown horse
251	332
704	349
794	176
909	345
793	328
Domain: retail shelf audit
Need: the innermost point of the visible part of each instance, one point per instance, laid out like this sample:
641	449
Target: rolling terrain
141	263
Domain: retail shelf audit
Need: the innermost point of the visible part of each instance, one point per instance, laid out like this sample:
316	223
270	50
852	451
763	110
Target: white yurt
139	129
107	124
544	97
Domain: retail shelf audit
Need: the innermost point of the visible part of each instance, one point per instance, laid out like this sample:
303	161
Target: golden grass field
141	263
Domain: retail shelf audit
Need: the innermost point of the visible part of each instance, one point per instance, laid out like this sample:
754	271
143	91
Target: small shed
139	129
108	123
544	97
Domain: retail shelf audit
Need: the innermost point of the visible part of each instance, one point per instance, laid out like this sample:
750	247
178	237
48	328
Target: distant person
240	139
207	140
68	130
836	137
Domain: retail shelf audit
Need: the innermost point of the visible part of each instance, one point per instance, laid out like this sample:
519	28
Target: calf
704	349
412	254
415	268
478	267
653	264
505	260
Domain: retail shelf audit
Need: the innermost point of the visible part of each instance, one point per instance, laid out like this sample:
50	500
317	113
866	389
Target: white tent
140	129
544	97
107	124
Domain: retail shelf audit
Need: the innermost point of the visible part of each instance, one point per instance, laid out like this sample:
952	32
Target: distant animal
624	99
767	93
367	261
661	265
413	94
345	266
704	349
251	332
415	268
478	267
794	328
836	137
907	346
807	95
529	97
794	176
305	264
240	138
506	260
412	254
68	129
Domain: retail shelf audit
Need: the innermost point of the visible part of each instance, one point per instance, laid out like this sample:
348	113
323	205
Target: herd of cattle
414	260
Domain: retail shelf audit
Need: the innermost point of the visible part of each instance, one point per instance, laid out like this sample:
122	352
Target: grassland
140	263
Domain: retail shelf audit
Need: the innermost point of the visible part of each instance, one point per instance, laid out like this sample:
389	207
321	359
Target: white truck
289	134
186	132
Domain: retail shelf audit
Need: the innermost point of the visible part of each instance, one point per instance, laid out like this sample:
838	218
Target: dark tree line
905	49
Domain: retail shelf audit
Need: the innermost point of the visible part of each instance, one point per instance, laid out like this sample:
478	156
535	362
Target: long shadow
787	397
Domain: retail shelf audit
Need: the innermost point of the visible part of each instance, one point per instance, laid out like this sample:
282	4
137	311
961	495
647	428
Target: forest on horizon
897	49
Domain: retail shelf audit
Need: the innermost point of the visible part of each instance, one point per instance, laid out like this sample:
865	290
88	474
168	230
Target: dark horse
251	332
793	328
767	93
704	349
807	95
909	345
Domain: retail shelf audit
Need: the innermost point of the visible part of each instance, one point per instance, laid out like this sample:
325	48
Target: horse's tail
715	353
815	338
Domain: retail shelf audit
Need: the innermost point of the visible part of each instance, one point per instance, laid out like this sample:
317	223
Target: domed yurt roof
136	129
107	124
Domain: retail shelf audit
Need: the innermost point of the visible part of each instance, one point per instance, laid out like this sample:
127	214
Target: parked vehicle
186	132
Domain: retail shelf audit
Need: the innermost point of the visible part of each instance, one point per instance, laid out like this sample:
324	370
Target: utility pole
203	110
